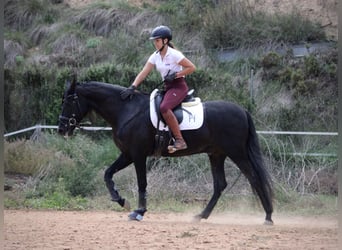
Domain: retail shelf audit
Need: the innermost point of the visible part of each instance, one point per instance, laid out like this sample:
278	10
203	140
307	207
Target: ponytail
170	44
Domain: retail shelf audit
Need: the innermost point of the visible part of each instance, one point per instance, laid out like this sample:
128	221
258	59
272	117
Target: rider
173	67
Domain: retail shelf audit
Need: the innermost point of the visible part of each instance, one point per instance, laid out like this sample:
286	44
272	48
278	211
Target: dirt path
111	230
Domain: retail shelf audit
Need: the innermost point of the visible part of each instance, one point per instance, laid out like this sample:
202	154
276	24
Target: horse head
72	111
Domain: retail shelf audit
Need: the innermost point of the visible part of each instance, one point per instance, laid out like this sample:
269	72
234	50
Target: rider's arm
188	67
143	74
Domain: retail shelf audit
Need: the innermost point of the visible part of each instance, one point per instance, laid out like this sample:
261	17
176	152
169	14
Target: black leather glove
170	77
128	93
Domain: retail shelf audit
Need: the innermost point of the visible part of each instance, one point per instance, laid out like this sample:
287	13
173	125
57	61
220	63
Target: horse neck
104	102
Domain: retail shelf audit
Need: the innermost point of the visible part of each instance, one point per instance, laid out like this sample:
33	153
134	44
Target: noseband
71	122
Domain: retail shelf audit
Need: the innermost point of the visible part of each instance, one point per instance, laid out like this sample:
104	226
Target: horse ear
70	86
69	89
73	82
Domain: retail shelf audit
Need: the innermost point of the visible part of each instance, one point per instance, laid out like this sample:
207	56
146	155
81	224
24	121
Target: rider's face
158	43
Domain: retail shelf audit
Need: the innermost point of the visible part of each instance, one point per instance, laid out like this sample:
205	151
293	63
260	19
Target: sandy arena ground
111	230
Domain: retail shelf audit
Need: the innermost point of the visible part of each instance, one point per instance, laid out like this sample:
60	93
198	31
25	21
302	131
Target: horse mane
100	88
102	91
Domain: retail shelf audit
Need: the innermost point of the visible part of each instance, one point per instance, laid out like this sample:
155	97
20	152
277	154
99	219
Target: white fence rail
39	127
52	127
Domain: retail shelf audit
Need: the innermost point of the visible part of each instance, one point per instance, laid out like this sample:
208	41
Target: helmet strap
161	49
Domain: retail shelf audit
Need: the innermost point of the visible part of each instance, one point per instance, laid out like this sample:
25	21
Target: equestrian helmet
161	32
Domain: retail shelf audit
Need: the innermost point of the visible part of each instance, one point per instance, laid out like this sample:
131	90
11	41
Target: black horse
227	131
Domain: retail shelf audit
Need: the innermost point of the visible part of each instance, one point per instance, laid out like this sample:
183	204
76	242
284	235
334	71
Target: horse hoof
135	216
127	206
268	223
197	218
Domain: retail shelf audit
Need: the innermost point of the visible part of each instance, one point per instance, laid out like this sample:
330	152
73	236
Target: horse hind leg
261	186
220	183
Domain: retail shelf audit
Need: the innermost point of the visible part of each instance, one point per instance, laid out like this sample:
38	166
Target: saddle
188	101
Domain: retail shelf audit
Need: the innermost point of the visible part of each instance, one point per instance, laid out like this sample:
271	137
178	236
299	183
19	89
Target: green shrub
284	75
271	59
22	157
35	96
294	28
311	66
93	43
59	199
102	73
122	75
110	73
72	164
331	71
80	180
199	79
94	155
297	76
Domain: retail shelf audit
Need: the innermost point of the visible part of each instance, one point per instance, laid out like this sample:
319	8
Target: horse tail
261	183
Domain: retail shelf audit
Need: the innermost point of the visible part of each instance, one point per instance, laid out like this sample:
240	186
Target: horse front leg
140	168
220	183
118	165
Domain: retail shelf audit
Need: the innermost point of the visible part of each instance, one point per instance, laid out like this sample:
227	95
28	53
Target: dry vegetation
323	11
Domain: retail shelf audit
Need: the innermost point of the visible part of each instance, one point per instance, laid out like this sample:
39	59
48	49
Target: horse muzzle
66	126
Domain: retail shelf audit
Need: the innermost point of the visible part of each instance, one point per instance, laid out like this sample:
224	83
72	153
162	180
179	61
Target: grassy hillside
107	41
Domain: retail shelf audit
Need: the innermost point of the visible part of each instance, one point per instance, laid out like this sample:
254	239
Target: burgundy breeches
176	91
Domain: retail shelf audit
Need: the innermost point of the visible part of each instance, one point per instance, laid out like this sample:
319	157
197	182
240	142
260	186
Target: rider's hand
170	77
128	93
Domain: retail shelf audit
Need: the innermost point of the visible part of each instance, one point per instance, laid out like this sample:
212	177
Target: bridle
71	122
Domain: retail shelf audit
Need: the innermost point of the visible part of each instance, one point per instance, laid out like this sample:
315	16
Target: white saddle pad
192	115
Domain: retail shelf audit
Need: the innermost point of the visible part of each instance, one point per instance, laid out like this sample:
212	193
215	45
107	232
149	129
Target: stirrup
177	145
